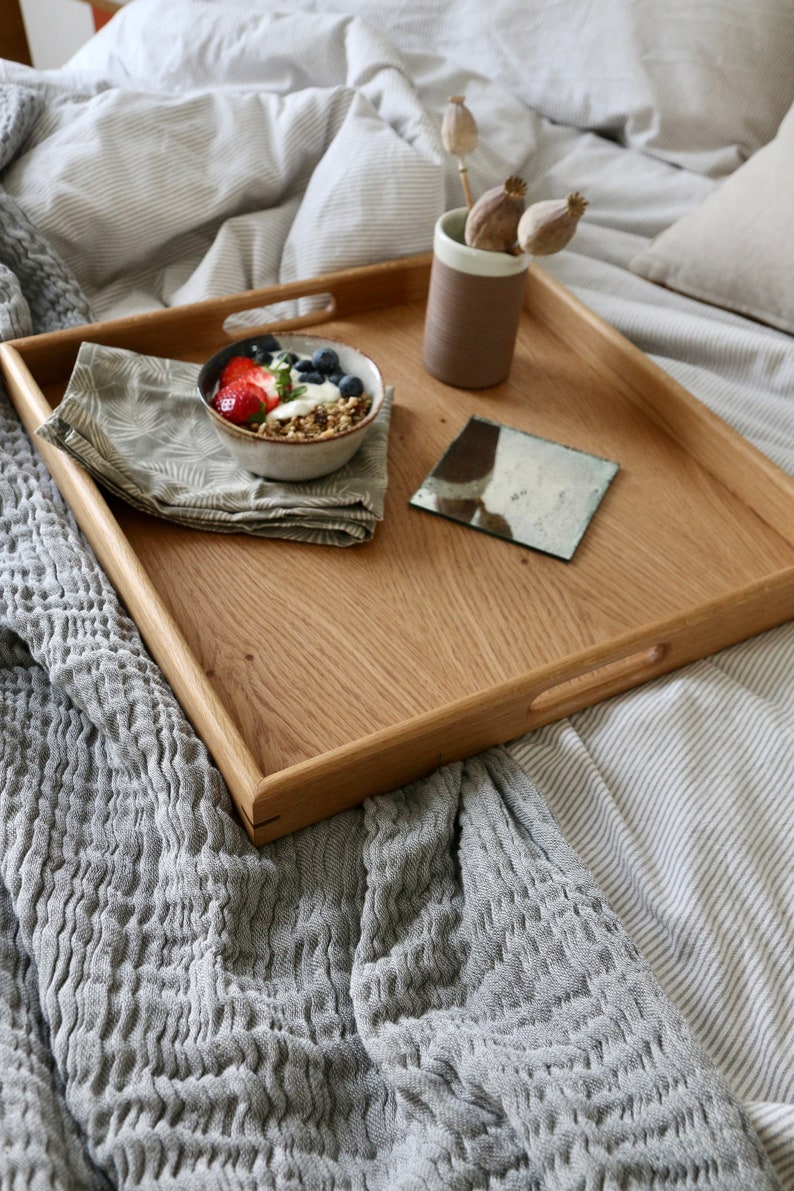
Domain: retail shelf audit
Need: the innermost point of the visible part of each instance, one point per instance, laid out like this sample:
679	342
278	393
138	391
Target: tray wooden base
432	642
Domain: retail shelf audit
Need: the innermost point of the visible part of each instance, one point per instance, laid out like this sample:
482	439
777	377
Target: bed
564	962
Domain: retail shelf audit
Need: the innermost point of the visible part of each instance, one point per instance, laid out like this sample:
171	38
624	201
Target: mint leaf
298	391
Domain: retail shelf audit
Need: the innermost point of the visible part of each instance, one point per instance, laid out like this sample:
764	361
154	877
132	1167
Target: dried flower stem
463	170
498	221
459	137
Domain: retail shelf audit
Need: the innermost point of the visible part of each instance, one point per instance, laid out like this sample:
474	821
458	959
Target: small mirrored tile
513	485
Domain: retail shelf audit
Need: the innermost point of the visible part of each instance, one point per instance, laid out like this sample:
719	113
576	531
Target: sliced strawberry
241	368
241	402
269	389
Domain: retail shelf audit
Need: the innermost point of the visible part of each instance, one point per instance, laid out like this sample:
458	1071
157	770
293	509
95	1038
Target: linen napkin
135	422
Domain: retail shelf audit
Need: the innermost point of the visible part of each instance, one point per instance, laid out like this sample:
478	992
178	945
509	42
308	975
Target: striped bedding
246	144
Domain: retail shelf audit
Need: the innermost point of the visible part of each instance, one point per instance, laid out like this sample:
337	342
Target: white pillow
700	83
736	250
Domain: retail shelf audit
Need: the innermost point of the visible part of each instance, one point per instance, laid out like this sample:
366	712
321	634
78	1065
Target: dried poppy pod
548	226
492	223
459	137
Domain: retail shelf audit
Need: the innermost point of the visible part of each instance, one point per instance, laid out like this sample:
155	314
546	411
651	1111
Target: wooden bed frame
13	36
14	44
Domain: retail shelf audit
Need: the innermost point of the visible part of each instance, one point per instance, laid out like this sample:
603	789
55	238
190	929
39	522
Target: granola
322	421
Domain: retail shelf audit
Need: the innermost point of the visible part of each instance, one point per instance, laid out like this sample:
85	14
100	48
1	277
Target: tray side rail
159	630
389	759
176	331
727	455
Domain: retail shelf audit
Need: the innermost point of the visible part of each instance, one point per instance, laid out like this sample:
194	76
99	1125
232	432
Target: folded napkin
137	425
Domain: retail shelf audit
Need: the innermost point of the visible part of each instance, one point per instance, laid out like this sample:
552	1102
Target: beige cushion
736	250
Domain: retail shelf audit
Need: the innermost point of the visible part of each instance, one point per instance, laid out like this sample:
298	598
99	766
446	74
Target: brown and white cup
473	308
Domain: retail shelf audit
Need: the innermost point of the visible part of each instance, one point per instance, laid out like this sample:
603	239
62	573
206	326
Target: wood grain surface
432	641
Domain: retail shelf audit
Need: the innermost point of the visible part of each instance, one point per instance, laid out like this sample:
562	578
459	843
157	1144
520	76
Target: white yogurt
313	396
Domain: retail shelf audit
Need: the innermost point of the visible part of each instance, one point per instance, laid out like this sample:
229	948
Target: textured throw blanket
426	991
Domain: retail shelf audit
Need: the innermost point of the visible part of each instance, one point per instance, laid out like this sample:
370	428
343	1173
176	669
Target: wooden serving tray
432	642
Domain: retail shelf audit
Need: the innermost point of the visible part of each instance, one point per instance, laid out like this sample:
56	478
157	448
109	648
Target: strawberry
241	368
241	402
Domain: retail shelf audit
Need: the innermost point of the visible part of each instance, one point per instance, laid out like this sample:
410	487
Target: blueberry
325	359
262	350
351	386
312	378
335	378
305	366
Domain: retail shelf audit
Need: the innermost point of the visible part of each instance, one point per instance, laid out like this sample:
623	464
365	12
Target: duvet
565	963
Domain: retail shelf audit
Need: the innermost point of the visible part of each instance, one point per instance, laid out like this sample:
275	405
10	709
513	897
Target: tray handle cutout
609	678
313	309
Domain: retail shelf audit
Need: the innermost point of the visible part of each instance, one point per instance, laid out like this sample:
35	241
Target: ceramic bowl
282	459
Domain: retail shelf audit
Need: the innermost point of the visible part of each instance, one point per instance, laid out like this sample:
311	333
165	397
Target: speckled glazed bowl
279	458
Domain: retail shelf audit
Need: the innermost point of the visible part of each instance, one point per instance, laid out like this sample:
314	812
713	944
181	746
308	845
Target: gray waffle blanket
426	991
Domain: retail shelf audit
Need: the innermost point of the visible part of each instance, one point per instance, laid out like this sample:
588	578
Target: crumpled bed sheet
334	1010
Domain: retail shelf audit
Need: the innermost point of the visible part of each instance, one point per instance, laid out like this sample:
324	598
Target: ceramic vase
473	308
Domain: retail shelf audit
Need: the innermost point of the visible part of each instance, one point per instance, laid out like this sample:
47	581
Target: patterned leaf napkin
137	425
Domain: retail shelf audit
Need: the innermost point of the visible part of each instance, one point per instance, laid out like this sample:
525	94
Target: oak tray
432	642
